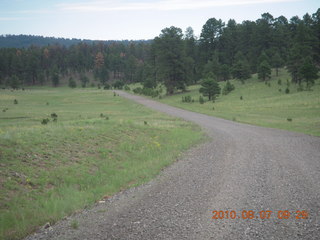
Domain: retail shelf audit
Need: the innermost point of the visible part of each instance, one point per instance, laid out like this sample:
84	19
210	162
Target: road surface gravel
242	168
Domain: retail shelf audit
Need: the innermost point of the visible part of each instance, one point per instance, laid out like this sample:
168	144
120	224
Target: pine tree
308	72
210	87
171	59
277	62
264	70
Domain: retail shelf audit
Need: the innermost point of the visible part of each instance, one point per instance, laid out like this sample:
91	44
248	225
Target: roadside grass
100	144
261	104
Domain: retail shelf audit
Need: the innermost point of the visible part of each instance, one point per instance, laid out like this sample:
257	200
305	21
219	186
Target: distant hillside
25	41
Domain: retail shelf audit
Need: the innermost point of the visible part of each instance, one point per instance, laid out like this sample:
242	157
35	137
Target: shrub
228	88
54	115
137	90
287	91
289	119
84	80
106	86
288	83
201	100
279	82
45	121
15	101
127	88
118	84
241	98
147	92
187	99
72	83
14	82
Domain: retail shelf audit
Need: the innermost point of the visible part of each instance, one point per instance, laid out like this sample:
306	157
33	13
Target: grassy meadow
99	145
262	104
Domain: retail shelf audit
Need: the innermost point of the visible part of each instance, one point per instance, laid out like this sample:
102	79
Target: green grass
99	146
261	105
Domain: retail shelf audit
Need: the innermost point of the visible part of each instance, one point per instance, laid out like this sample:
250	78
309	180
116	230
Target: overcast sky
133	19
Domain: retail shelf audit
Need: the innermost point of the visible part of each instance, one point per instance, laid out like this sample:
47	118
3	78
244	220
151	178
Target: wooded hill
176	59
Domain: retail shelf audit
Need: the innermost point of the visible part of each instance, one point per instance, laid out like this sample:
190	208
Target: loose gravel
241	168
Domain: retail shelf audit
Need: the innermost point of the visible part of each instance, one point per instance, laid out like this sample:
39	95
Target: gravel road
242	168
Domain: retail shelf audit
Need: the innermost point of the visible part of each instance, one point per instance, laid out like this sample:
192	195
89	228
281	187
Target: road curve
243	168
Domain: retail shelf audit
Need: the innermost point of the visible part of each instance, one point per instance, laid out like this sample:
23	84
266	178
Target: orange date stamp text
264	214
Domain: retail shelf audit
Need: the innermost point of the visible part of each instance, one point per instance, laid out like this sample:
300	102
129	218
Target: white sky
133	19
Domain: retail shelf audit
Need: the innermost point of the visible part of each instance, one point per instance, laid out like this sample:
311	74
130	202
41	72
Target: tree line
177	59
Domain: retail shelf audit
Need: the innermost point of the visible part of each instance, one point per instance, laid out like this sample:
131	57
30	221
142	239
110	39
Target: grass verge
99	145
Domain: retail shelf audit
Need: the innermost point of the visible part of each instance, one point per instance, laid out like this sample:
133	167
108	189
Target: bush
14	82
279	82
84	80
241	98
146	91
228	88
137	90
106	86
201	100
45	121
118	84
72	83
187	99
287	91
54	116
15	101
127	88
289	119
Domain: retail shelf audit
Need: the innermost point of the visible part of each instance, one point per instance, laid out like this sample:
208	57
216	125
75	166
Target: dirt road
254	173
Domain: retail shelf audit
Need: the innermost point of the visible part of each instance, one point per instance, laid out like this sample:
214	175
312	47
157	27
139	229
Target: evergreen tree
277	62
264	70
55	78
308	72
14	82
241	68
210	87
171	59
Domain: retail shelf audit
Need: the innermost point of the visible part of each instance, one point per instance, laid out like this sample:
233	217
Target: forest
175	58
